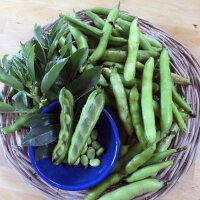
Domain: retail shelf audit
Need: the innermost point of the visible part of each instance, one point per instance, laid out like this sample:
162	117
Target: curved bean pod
121	101
147	102
91	110
133	190
165	143
134	103
165	93
66	120
133	45
107	30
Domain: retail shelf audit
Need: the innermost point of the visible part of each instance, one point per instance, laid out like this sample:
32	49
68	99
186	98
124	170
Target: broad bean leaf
51	76
44	151
20	101
42	135
10	81
40	52
42	120
6	64
6	108
74	63
85	82
1	97
39	36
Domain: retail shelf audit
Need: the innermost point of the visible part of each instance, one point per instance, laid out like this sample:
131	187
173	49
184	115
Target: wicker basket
182	63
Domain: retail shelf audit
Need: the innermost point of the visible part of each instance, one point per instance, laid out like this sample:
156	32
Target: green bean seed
95	162
95	145
88	118
94	134
149	171
178	118
66	120
89	141
100	151
147	102
107	30
121	101
165	93
84	160
139	160
133	190
91	153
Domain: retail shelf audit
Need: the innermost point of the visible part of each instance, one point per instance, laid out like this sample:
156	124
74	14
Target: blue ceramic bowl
77	178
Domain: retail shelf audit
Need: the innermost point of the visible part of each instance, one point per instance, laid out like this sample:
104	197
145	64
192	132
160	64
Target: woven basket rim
183	63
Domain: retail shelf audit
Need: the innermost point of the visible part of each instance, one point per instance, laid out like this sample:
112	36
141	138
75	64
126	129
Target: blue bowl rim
91	183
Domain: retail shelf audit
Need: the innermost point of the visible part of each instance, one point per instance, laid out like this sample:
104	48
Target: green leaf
41	136
52	75
54	44
6	108
51	96
66	50
6	64
44	151
1	97
85	82
40	52
10	81
76	60
39	36
28	52
42	120
20	101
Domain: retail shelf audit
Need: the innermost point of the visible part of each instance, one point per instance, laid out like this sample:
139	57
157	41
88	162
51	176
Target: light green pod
78	161
88	119
84	150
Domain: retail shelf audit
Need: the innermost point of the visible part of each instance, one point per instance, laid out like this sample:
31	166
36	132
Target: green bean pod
136	114
106	11
180	101
165	93
66	120
178	118
139	160
158	157
121	101
165	143
147	102
133	190
133	45
123	150
99	22
149	171
105	184
180	80
88	118
107	30
153	41
78	35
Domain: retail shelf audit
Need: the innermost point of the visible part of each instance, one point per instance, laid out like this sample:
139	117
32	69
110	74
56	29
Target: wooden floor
180	18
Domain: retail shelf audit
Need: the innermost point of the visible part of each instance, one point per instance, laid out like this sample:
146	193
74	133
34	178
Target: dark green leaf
28	51
75	62
66	50
1	97
42	120
20	101
40	52
6	108
38	35
41	136
10	80
51	96
54	44
6	64
39	71
52	75
44	151
85	82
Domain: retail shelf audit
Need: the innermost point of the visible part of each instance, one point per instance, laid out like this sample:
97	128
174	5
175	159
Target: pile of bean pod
135	84
141	95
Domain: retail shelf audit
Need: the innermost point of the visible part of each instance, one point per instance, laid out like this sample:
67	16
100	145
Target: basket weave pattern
183	63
